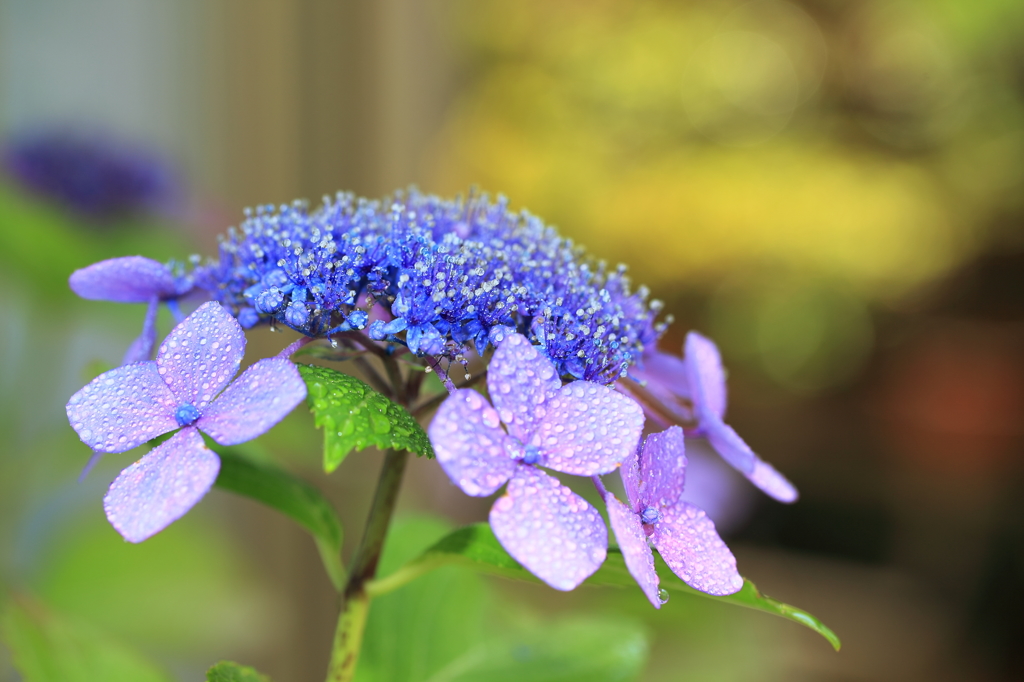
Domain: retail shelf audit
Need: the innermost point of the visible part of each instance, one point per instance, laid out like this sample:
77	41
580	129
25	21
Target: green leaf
571	651
417	630
476	547
291	496
228	671
353	415
47	648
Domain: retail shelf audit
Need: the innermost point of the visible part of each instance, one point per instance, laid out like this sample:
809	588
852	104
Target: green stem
355	606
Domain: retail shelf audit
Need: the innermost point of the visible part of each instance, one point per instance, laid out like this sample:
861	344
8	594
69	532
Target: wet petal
521	380
705	375
688	542
588	429
629	532
664	375
123	408
630	474
549	529
662	468
736	452
254	402
132	279
158	489
142	348
200	355
470	445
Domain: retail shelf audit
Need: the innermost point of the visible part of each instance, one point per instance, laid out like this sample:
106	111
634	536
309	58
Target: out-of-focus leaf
229	671
47	648
419	629
353	415
572	651
476	547
291	496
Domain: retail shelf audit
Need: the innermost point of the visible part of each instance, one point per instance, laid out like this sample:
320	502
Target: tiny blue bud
650	515
532	455
186	414
376	330
296	314
270	301
357	319
248	317
275	278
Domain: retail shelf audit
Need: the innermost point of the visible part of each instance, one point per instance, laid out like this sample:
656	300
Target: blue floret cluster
441	276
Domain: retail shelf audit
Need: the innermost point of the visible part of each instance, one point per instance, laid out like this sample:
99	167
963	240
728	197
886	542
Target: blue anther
186	414
650	515
532	455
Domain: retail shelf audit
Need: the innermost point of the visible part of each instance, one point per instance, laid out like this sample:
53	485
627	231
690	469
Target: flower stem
355	601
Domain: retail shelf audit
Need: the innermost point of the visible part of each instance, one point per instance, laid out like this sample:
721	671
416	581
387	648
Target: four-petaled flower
581	428
700	379
128	406
131	279
684	535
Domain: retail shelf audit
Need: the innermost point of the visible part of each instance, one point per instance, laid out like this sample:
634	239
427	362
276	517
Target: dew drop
663	595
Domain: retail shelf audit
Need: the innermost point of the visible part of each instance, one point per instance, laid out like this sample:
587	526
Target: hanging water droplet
333	342
663	595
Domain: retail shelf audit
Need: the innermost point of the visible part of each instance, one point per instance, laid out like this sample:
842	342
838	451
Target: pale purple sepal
158	489
142	347
705	376
200	355
588	429
470	445
663	468
772	482
629	532
261	397
123	408
665	377
688	542
549	529
630	474
132	279
520	381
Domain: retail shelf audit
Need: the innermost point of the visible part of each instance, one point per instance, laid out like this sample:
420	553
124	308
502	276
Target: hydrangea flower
581	428
448	272
187	388
133	279
684	535
699	379
94	176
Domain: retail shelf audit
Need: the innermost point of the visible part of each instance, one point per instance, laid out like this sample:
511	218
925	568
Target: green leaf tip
354	416
476	547
290	496
228	671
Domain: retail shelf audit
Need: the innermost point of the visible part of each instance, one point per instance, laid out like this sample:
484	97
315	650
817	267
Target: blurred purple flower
694	389
684	535
581	428
130	405
132	279
92	175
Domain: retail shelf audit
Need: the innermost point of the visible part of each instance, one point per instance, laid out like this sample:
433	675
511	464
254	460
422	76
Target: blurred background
833	190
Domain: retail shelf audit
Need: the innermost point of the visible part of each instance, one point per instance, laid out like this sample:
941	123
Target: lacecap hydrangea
441	276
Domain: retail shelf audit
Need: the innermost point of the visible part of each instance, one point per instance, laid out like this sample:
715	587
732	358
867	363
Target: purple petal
772	482
520	380
158	489
689	544
142	348
470	445
254	402
200	355
705	375
588	429
549	529
132	279
662	468
630	474
123	408
737	453
629	532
